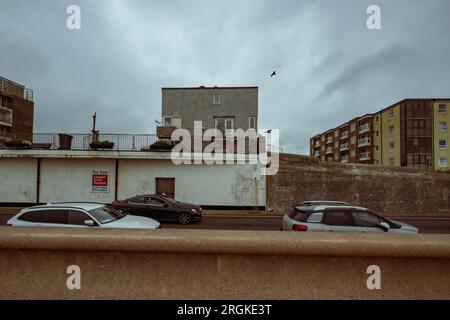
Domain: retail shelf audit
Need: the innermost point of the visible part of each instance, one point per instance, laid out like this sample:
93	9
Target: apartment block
16	111
409	133
217	107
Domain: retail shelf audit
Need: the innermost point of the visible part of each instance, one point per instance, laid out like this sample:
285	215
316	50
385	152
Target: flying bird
273	74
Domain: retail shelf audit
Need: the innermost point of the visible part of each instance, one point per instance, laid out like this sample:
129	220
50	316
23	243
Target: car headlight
193	210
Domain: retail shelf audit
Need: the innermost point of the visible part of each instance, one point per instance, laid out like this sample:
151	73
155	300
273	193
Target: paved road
425	225
273	223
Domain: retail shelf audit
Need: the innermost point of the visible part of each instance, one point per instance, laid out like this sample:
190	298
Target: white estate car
72	215
340	218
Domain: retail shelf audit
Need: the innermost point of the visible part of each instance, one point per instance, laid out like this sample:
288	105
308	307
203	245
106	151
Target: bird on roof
273	74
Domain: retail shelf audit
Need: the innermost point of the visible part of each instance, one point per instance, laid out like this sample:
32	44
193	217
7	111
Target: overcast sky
330	67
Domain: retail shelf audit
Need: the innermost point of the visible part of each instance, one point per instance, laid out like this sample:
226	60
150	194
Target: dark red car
160	208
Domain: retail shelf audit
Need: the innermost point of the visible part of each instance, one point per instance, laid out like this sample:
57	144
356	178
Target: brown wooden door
166	187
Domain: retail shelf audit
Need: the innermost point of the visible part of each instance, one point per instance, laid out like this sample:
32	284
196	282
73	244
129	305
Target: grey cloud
330	67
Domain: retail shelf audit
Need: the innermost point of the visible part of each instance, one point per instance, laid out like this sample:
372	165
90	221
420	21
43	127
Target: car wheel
184	217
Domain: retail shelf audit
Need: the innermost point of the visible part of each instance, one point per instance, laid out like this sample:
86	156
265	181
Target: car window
155	201
77	218
366	219
138	200
46	216
315	217
339	218
106	214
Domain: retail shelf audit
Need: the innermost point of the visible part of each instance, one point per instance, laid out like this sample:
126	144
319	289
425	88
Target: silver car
341	218
76	215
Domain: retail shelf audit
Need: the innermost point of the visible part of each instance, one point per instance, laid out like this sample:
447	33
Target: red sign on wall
100	180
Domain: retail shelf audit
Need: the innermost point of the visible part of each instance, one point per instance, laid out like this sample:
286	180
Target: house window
170	121
376	118
336	144
252	123
323	138
443	162
443	143
216	98
442	107
378	133
377	148
336	133
391	113
353	127
224	125
391	129
416	141
391	146
353	140
442	125
391	162
353	152
4	101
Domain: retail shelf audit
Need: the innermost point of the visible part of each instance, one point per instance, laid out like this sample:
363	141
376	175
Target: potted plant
101	145
18	144
163	145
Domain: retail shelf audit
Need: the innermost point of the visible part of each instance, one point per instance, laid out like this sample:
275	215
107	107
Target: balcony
344	147
364	128
329	150
5	117
364	156
364	142
317	144
344	135
344	159
317	154
329	140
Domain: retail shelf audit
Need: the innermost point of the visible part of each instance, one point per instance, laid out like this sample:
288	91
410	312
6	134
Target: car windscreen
106	214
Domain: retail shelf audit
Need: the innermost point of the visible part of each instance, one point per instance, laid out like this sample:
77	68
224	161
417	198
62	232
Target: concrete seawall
196	264
389	191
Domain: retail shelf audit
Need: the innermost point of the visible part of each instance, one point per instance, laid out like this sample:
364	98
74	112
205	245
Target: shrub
163	144
18	144
102	145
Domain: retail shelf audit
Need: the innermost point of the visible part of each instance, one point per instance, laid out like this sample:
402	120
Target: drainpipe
116	182
38	180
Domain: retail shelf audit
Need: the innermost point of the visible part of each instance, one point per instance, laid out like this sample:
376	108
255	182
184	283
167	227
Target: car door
136	206
366	221
158	207
77	218
338	221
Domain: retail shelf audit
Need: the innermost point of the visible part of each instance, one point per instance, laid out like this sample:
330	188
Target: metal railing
81	141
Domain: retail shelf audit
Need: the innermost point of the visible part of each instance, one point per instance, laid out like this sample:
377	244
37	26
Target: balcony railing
364	156
344	159
364	128
317	144
344	147
364	142
329	140
81	141
317	153
329	150
344	135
